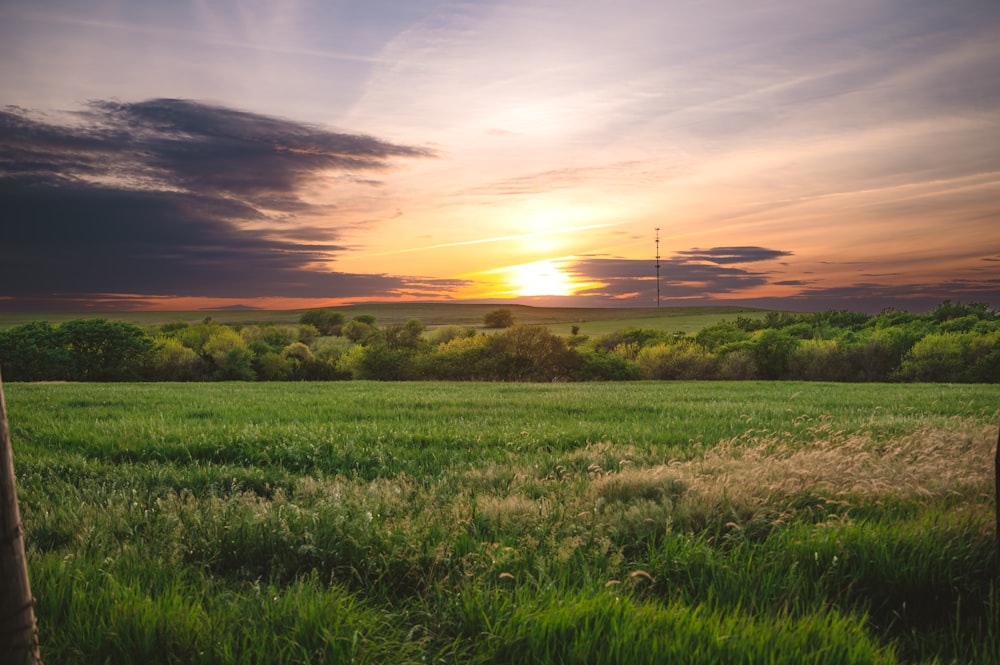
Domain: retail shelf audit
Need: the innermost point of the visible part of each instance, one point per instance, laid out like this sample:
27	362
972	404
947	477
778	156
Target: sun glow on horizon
538	278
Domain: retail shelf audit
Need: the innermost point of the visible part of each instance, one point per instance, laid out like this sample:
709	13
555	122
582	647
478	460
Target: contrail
462	243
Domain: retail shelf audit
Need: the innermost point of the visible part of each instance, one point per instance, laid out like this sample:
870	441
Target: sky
798	154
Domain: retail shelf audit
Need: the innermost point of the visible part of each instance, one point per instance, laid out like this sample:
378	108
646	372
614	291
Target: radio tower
657	267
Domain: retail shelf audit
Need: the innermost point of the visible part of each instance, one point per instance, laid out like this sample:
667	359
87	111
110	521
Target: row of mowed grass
510	523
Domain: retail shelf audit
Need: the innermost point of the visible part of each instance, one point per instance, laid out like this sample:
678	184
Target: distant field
475	523
591	320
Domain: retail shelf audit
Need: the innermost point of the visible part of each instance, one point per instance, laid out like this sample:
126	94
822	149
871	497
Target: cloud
692	273
727	255
621	174
174	197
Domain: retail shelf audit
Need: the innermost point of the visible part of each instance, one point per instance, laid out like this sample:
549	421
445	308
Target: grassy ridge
479	523
592	320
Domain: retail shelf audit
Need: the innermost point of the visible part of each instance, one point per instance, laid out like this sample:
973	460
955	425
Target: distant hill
590	320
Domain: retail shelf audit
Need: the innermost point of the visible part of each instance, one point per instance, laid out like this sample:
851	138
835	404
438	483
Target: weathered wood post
18	630
996	485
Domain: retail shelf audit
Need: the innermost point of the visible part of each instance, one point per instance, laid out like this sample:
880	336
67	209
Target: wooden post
996	486
18	630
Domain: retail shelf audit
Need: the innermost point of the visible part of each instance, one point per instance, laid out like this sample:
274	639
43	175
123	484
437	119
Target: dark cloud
707	277
168	197
727	255
689	274
874	297
231	152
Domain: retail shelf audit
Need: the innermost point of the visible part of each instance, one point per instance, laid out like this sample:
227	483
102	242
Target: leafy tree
232	358
984	358
35	352
360	332
948	310
236	366
715	336
633	337
298	351
771	350
221	342
326	321
172	361
406	336
938	357
779	319
307	333
272	366
498	318
106	350
272	336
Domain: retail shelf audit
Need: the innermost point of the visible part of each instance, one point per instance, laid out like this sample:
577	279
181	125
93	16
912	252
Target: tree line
956	342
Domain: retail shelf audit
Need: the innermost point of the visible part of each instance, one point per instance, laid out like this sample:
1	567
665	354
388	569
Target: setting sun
539	278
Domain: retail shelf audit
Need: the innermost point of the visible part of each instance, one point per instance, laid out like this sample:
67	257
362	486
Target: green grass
496	523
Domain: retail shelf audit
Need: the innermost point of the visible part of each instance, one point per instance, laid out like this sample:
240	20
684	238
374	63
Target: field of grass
591	320
510	523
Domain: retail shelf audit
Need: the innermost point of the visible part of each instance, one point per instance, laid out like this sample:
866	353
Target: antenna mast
657	267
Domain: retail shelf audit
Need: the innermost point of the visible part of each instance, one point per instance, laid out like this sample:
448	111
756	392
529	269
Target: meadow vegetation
953	343
639	522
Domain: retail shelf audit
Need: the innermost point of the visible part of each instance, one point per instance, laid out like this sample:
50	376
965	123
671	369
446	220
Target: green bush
679	361
172	361
819	360
498	318
772	351
326	321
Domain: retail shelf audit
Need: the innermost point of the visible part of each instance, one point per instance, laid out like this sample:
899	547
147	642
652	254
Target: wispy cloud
492	239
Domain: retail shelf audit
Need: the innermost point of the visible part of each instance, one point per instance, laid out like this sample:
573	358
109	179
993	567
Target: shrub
682	360
445	334
172	361
381	363
602	366
498	318
819	360
737	364
531	353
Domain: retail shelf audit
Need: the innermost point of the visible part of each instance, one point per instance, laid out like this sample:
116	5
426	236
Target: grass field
591	320
510	523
